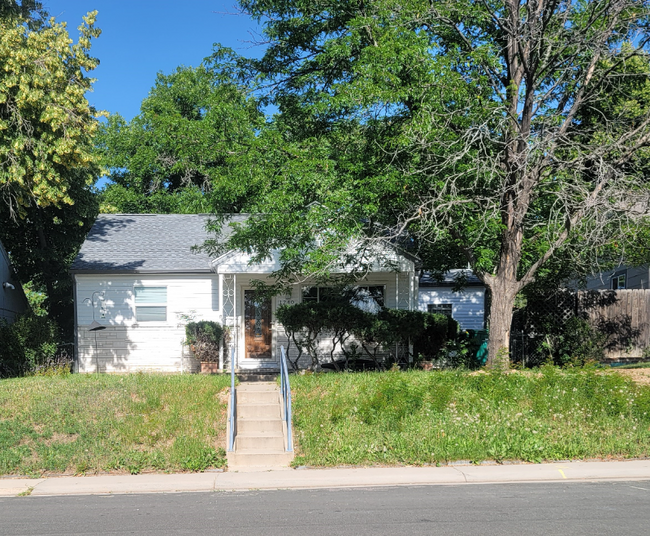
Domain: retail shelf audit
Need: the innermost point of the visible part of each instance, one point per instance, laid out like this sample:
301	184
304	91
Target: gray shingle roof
146	243
449	279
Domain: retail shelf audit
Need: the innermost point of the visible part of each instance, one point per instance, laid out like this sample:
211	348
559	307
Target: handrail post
285	388
233	401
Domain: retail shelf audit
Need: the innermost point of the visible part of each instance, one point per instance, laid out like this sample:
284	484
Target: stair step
258	459
258	411
258	386
263	426
258	397
260	441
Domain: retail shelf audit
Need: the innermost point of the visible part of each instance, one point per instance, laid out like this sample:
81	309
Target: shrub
305	323
204	338
437	330
574	342
30	342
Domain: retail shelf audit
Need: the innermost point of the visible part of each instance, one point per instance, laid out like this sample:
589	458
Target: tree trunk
503	300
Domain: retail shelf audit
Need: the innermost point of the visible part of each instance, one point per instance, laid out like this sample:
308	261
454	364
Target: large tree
47	166
501	131
186	149
46	123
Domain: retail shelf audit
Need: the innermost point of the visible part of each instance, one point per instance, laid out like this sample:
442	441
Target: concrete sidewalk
328	478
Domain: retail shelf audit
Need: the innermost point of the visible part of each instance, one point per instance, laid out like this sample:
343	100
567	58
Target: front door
257	322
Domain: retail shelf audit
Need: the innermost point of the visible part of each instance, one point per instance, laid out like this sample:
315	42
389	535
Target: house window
619	281
368	298
317	294
150	304
440	308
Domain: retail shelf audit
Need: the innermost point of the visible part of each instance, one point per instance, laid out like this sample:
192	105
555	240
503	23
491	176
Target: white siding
468	305
127	345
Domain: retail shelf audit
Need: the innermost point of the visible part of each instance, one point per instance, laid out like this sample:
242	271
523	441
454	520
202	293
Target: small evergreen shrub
204	337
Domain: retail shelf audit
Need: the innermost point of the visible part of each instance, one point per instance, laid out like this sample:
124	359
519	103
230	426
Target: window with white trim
619	281
150	304
368	298
440	308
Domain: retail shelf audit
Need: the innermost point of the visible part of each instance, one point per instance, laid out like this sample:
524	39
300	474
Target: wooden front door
257	322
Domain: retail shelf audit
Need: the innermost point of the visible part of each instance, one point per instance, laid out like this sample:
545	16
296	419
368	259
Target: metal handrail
285	389
233	413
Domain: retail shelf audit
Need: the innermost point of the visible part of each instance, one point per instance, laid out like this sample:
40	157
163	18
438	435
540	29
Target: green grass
94	423
437	417
644	364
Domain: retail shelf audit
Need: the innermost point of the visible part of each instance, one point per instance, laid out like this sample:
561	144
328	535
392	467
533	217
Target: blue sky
143	37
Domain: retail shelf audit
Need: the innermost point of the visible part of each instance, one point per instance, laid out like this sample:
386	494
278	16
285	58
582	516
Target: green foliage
189	146
414	122
46	141
43	244
419	417
46	124
88	424
574	342
204	338
375	333
27	344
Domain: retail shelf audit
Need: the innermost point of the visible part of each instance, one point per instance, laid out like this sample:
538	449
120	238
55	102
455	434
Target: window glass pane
150	294
327	294
440	308
151	314
377	294
369	299
309	294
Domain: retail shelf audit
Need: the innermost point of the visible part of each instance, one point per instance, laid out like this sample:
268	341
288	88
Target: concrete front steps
260	437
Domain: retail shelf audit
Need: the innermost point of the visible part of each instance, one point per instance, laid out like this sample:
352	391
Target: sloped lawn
85	424
438	417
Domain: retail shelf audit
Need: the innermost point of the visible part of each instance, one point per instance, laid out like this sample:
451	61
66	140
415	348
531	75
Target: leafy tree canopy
189	146
510	133
46	123
47	166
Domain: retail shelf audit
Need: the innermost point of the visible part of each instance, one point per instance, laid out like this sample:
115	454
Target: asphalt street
571	508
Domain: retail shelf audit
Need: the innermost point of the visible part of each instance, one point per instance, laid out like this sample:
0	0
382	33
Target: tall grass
94	423
424	417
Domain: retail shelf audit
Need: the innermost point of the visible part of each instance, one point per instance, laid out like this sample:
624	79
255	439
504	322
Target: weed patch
435	417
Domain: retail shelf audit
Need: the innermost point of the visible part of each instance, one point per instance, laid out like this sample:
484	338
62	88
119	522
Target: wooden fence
622	315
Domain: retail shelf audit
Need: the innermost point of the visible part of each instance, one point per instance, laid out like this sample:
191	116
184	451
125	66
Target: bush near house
204	338
417	417
27	345
359	334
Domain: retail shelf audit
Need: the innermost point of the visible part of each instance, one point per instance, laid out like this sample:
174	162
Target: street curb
356	477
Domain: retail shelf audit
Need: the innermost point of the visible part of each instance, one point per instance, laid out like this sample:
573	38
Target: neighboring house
622	277
466	306
12	298
137	276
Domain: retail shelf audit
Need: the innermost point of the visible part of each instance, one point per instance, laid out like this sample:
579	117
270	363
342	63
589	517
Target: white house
466	306
12	298
139	280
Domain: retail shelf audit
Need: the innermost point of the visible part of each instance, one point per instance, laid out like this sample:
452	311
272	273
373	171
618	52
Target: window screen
150	304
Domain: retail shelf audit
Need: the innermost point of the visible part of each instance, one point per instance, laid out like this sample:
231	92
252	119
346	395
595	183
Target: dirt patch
640	376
